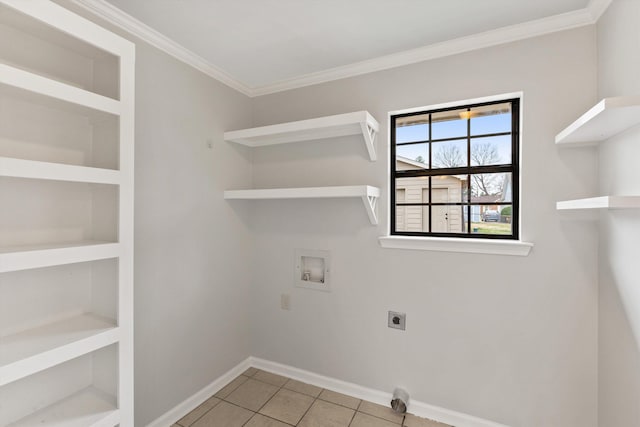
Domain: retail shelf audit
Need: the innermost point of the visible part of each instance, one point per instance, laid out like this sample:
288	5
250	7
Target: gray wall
191	278
619	301
509	339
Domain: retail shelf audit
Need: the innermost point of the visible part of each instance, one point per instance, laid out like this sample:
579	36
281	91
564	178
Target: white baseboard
420	409
182	409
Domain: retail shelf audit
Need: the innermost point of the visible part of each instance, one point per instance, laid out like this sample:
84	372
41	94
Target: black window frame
513	168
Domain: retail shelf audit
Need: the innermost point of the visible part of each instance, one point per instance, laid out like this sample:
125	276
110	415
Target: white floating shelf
367	193
606	119
604	202
27	257
34	350
14	80
356	123
19	168
87	408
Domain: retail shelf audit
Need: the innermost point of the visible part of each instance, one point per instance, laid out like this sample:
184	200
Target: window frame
514	168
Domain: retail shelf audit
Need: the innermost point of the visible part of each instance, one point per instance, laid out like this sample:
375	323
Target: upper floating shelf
356	123
607	118
604	202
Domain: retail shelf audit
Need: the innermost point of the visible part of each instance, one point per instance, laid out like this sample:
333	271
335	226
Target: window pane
449	189
491	188
491	219
412	156
412	128
449	124
491	119
412	218
449	154
491	151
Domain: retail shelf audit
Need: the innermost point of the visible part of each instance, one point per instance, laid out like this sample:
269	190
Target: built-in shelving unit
604	202
607	118
66	228
356	123
367	193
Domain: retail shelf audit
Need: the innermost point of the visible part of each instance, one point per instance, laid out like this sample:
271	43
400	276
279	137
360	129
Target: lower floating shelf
604	202
87	408
367	193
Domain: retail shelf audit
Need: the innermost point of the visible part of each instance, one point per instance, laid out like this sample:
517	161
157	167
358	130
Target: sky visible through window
481	125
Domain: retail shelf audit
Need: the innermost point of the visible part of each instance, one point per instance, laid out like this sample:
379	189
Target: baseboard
182	409
420	409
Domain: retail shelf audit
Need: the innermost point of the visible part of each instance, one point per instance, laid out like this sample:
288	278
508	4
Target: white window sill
444	244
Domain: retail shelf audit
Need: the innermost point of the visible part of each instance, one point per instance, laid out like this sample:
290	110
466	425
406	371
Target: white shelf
367	193
604	202
14	81
356	123
28	257
88	408
606	119
34	350
19	168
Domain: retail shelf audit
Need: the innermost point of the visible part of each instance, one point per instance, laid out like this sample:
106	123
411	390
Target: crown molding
552	24
120	19
597	8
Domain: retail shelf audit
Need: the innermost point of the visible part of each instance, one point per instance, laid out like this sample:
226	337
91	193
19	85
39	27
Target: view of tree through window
455	171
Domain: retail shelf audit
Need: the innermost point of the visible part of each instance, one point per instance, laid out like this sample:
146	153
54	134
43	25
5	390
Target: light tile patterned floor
262	399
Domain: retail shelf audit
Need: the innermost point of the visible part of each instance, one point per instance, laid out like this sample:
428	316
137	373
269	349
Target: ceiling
262	44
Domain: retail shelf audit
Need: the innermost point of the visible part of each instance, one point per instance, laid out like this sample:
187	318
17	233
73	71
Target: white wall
191	276
619	300
509	339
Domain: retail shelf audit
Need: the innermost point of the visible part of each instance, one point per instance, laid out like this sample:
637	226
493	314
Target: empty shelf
26	257
604	202
34	350
367	193
87	408
17	82
356	123
606	119
19	168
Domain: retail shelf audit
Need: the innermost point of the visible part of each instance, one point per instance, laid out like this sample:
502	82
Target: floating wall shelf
606	119
368	194
356	123
604	202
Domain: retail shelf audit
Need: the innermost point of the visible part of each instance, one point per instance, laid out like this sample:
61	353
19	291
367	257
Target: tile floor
262	399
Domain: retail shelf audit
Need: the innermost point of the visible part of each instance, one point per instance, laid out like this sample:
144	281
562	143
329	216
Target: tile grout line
282	387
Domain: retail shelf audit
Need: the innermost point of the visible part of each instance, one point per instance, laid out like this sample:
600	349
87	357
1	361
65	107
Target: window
454	171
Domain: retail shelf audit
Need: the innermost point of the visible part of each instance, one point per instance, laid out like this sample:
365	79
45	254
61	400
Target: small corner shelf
367	193
604	202
607	118
356	123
